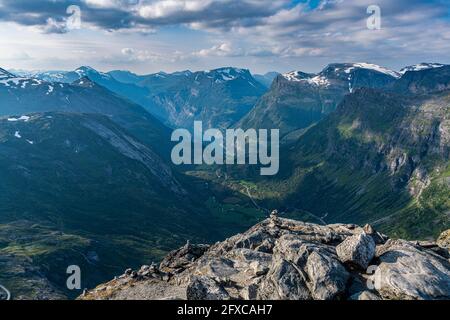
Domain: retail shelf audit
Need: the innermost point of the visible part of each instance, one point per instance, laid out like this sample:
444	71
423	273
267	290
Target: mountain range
87	177
297	99
178	99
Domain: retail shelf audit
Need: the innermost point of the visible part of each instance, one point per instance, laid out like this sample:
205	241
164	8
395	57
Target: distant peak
85	68
350	67
421	66
229	70
182	73
225	74
297	76
84	82
5	74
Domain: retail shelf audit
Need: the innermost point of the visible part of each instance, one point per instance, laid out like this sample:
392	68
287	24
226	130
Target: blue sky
147	36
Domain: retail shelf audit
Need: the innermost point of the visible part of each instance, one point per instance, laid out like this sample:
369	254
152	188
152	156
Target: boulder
178	260
357	250
204	288
444	240
327	276
284	282
407	271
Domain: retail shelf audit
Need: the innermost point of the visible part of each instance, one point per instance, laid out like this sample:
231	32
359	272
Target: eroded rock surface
357	250
408	271
286	259
444	239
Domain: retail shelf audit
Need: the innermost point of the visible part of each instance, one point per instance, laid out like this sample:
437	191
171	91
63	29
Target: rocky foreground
291	260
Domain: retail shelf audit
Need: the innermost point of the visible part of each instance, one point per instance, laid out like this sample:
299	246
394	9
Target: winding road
321	219
254	202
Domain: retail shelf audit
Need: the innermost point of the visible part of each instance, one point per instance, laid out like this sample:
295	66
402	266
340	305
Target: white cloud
243	32
220	50
166	8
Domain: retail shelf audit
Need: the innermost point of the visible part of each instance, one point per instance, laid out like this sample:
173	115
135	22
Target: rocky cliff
291	260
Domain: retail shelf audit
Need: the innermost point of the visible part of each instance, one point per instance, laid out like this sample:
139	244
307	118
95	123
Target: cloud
228	50
54	26
133	55
16	56
136	56
130	14
337	30
255	30
220	50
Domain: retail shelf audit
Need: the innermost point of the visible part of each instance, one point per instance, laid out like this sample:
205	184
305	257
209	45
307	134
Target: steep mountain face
421	66
126	76
296	100
20	96
219	97
281	259
127	90
380	157
4	75
424	80
79	190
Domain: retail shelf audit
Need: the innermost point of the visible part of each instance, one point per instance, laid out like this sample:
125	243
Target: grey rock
357	250
128	271
377	237
444	240
176	261
365	295
284	282
204	288
408	271
283	259
328	277
250	292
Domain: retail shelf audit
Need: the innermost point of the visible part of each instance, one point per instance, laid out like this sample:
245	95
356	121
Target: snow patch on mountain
86	71
50	90
322	78
374	67
8	79
22	118
421	66
5	74
298	76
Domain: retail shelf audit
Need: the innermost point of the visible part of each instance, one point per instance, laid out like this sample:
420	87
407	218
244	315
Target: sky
146	36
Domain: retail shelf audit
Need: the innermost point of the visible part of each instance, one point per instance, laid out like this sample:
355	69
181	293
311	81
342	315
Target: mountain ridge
179	98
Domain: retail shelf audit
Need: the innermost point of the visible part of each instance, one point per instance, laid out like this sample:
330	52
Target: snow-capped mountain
298	99
21	96
424	79
12	82
178	98
5	74
218	97
63	76
421	66
342	72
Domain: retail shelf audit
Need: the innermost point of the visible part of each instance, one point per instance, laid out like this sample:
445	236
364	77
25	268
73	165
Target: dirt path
254	201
